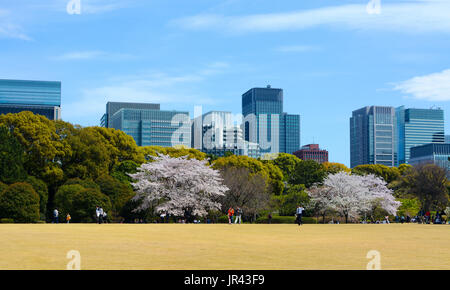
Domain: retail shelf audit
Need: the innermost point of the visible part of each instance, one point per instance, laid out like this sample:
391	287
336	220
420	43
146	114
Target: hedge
285	220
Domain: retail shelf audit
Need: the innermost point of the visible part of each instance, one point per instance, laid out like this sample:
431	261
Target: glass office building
266	124
438	154
113	107
153	127
39	97
216	133
418	127
373	136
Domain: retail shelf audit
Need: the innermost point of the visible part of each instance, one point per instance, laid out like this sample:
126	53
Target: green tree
410	206
2	187
84	205
333	168
64	198
295	195
174	152
11	157
20	202
389	174
308	172
287	163
86	183
121	171
44	149
42	190
266	169
118	192
428	182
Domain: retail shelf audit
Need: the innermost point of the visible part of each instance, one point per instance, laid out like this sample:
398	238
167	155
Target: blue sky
330	57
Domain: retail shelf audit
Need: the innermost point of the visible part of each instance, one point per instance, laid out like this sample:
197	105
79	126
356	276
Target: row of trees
75	169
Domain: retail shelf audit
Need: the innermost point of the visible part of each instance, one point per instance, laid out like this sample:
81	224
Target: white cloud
8	29
152	87
89	55
418	16
96	7
296	48
432	87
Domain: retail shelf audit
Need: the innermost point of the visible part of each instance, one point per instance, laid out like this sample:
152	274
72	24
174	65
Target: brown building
312	152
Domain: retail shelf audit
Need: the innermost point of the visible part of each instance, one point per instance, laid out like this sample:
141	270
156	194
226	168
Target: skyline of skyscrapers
385	135
378	134
39	97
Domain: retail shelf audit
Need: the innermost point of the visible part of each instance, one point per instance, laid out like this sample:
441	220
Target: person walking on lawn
230	215
299	213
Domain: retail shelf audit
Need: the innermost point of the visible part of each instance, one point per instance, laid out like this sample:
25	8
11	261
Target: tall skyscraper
373	136
418	127
265	122
150	127
39	97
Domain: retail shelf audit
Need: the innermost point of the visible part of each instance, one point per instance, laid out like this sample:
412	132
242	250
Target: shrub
222	219
6	221
64	198
84	205
20	202
285	220
42	190
2	187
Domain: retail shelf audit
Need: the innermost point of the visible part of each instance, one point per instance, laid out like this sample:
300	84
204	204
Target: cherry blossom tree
178	186
379	195
351	195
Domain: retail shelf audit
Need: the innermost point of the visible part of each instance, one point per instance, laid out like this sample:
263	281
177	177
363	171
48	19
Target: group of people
237	214
56	216
101	215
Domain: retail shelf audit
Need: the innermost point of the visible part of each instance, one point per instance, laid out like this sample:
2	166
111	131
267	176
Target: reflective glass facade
39	97
373	133
154	127
418	127
113	107
266	124
438	154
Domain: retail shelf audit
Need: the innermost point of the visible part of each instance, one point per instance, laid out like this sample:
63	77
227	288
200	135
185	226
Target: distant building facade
266	124
417	127
39	97
113	107
214	133
373	136
312	152
151	127
438	154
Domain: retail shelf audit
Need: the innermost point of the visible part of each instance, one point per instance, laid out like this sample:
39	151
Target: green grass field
221	246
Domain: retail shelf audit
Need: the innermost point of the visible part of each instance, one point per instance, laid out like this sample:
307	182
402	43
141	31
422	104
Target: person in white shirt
298	214
97	213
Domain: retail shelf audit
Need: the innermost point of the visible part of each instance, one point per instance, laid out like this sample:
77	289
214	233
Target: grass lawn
221	246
